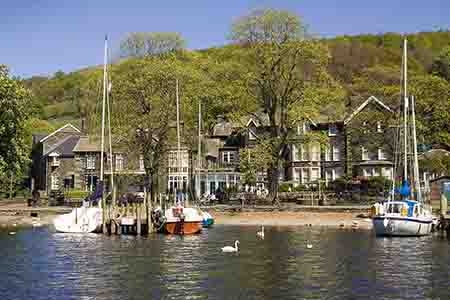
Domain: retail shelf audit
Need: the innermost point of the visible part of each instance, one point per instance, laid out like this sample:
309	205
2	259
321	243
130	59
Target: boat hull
402	226
183	228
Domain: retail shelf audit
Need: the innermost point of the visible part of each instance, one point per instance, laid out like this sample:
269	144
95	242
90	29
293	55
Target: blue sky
40	37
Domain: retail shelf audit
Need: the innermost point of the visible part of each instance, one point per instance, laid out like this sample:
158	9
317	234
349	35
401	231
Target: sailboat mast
103	108
111	165
416	160
179	180
405	110
199	150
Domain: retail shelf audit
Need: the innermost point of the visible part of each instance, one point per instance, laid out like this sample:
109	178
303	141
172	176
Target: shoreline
19	215
284	218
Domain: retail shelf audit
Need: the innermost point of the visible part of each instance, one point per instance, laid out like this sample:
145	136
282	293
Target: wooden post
11	186
138	219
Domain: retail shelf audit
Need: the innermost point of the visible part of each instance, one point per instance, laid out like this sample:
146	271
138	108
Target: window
381	154
141	163
298	153
251	134
336	153
379	127
315	174
328	153
386	172
90	162
306	127
54	184
227	156
330	175
364	154
332	130
315	152
304	175
119	162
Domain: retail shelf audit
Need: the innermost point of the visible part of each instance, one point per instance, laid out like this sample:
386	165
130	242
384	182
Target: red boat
178	220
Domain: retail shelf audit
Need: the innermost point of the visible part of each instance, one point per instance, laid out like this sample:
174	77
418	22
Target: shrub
76	194
284	187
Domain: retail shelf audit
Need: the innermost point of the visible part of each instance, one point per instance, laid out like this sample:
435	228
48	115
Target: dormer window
381	154
379	129
332	130
251	134
306	127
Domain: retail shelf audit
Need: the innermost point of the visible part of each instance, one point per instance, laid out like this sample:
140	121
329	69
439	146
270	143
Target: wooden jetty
128	219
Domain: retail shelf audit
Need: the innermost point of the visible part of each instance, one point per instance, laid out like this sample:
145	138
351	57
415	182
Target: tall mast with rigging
405	111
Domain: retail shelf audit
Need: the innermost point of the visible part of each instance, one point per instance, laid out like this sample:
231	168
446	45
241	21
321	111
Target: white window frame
364	153
328	153
141	163
332	130
336	153
90	162
314	155
381	154
54	182
251	135
119	162
314	171
379	129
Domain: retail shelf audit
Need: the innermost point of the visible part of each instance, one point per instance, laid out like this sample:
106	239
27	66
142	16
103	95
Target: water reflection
40	264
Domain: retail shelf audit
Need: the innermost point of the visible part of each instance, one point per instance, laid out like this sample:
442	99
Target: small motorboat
177	220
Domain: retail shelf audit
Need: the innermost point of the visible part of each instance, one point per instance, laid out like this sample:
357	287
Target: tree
144	111
432	97
287	77
140	44
441	64
14	112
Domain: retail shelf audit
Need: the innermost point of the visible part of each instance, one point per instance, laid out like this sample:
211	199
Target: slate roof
65	147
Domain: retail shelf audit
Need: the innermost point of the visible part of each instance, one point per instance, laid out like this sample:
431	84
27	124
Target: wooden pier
128	219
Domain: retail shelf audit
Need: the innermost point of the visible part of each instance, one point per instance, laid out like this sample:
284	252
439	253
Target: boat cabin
406	208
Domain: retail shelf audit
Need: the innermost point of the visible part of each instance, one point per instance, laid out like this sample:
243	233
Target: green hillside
364	65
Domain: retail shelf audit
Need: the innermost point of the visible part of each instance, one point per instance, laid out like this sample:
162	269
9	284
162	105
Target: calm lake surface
41	264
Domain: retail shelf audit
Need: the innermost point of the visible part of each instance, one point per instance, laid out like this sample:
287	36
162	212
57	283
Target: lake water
41	264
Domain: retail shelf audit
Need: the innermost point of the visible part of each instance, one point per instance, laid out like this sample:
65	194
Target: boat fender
404	211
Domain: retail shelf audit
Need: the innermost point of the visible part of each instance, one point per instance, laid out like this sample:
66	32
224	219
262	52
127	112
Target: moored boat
79	220
177	220
402	218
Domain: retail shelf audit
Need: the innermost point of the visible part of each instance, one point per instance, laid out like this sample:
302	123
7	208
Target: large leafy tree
432	95
14	112
287	77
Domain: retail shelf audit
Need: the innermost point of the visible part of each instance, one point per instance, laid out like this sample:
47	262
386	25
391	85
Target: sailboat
405	217
89	217
177	219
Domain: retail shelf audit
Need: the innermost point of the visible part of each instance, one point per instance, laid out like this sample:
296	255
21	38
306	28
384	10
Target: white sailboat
405	217
89	218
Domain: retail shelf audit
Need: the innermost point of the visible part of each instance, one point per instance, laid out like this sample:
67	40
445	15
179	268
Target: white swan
261	233
230	248
309	246
12	233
